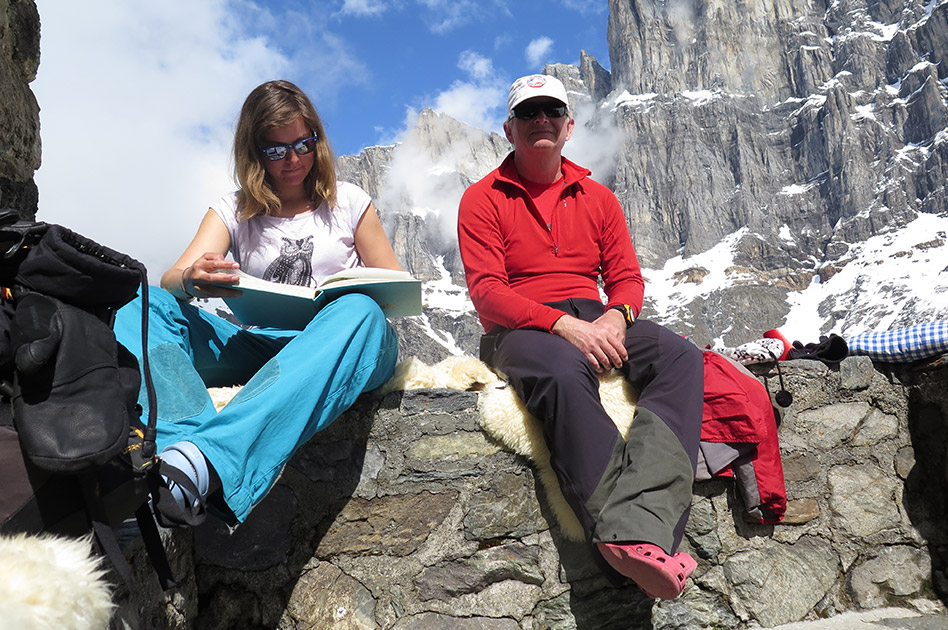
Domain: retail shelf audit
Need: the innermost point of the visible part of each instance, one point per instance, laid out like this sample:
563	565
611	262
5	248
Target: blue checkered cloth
904	344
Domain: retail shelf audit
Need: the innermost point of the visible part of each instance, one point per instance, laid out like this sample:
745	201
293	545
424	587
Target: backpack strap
102	530
154	547
151	430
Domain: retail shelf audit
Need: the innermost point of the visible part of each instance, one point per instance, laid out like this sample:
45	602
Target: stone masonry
19	111
405	516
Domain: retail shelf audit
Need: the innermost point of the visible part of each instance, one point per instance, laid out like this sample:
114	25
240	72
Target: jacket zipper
549	228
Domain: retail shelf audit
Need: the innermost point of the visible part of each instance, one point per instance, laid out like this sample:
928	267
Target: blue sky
138	99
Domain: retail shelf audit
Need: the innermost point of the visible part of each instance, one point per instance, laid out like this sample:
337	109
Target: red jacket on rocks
739	415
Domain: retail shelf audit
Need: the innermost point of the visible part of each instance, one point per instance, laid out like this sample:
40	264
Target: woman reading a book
289	222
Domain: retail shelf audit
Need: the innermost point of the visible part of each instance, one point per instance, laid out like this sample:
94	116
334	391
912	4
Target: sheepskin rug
502	415
52	582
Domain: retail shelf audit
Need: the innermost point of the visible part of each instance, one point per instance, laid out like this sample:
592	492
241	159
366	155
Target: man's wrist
626	311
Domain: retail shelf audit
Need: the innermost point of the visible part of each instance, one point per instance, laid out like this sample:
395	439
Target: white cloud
595	146
477	100
425	175
538	50
138	103
502	40
364	8
472	103
478	66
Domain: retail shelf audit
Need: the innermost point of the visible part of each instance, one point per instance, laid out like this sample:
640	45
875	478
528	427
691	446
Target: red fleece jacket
514	262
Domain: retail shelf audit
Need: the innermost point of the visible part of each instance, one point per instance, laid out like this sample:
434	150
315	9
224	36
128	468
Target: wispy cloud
476	65
434	157
476	100
138	103
595	145
538	51
364	8
586	6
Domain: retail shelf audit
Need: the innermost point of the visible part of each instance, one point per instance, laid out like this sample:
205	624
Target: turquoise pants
295	382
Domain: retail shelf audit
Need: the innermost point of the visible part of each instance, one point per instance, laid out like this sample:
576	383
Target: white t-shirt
303	249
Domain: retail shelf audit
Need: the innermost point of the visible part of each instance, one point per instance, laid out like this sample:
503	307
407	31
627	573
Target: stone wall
19	112
405	516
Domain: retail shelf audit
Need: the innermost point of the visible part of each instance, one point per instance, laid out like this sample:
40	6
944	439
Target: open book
291	307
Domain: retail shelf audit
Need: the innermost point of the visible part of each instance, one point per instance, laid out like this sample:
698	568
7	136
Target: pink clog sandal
661	576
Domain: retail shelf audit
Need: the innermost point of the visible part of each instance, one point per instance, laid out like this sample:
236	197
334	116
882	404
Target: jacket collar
572	172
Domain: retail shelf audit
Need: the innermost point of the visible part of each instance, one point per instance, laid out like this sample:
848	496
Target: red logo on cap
536	82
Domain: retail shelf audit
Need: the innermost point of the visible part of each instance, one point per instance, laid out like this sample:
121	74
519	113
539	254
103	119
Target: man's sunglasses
280	151
529	111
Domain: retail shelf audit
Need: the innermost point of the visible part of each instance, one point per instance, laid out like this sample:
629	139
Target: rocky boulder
19	112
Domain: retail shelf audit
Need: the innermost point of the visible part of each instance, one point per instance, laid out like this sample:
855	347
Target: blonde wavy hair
271	105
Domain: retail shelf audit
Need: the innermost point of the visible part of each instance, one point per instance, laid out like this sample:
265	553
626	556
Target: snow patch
625	99
890	281
700	97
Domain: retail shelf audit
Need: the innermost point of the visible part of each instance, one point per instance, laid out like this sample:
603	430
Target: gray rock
779	584
505	507
831	426
864	501
20	146
801	511
856	373
430	621
324	597
392	525
508	562
891	576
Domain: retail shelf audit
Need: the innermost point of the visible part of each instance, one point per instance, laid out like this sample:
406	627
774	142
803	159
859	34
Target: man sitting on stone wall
535	234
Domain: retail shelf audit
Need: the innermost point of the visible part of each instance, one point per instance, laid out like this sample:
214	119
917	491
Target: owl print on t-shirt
294	265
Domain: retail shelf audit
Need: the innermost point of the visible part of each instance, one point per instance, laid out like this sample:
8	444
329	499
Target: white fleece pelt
220	396
503	416
52	582
457	372
463	373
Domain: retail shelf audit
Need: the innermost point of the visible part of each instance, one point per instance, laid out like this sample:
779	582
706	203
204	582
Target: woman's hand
187	279
210	267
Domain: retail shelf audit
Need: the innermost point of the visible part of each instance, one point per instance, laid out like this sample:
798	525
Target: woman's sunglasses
529	111
280	151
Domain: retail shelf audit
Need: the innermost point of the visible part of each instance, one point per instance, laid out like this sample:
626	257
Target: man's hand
602	341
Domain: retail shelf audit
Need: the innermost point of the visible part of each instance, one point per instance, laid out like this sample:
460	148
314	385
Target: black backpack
75	455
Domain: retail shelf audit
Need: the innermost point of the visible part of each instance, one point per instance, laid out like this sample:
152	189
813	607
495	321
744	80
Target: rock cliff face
403	515
777	115
19	112
791	131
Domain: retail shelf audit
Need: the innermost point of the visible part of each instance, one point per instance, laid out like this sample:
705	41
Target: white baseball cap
532	86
